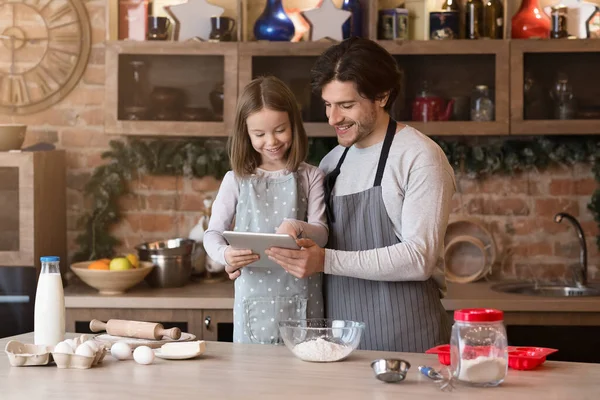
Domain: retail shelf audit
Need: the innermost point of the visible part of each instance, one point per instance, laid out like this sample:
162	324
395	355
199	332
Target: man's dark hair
372	69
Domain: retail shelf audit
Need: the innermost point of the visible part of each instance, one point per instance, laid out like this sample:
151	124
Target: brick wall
518	209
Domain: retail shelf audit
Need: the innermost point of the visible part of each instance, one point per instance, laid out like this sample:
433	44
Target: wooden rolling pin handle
97	325
173	333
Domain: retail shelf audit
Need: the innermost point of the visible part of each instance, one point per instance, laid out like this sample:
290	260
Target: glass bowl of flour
321	340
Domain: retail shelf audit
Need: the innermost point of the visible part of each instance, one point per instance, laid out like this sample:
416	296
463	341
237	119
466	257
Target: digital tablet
258	243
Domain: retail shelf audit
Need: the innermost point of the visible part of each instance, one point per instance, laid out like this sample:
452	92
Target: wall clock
44	49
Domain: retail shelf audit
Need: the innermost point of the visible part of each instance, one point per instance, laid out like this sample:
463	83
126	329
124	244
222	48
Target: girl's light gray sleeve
222	217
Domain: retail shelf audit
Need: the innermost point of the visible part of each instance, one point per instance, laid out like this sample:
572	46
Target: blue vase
274	24
352	27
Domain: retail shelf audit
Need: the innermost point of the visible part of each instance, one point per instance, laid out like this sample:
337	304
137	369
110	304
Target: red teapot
428	107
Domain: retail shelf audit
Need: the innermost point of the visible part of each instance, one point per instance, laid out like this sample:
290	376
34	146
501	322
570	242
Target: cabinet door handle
207	322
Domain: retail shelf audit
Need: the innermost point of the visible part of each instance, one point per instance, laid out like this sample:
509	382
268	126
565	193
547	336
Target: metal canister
444	25
393	24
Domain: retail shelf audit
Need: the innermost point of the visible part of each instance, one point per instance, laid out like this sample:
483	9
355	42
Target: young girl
271	189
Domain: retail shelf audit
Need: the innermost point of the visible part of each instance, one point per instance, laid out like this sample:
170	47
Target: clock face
44	49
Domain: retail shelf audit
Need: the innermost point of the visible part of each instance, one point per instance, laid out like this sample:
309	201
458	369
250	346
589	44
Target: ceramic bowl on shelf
321	340
111	282
12	136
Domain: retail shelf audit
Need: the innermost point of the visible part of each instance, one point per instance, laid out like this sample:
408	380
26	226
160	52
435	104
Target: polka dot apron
265	296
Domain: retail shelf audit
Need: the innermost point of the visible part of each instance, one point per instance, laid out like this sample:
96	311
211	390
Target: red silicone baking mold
521	358
443	352
524	358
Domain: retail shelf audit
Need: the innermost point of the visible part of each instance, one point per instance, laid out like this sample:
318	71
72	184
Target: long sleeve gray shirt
418	184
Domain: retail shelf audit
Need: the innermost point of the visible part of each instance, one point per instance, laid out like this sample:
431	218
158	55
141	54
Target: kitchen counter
236	371
199	295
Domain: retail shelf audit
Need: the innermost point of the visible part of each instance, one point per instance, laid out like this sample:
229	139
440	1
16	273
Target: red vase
530	21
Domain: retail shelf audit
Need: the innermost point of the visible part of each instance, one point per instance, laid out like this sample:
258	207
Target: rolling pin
135	329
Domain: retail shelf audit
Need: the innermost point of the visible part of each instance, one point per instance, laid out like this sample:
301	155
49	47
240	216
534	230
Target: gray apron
265	296
399	316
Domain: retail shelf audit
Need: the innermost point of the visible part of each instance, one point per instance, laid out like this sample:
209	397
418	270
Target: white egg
73	343
84	350
92	345
63	347
120	351
143	355
84	338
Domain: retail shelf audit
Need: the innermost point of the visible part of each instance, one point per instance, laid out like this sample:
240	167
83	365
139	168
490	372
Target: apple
119	264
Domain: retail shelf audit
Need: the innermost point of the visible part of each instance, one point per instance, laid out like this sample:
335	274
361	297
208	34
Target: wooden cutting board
108	340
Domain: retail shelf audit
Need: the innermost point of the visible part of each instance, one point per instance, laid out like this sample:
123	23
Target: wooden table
236	371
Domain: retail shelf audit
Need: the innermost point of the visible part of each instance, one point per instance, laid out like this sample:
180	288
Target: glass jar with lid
479	347
482	105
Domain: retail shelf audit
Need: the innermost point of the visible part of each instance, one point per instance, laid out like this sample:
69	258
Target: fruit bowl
111	282
12	136
321	340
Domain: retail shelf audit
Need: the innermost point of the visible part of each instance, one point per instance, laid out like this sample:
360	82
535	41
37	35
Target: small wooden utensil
135	329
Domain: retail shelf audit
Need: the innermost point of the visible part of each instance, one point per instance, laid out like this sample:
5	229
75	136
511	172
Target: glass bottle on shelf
562	96
137	107
353	26
473	19
482	106
450	5
493	19
535	98
558	28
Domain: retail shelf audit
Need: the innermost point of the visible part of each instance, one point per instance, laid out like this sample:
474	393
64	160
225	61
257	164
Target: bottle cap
49	259
478	315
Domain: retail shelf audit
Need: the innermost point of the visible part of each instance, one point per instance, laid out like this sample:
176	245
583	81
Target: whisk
444	381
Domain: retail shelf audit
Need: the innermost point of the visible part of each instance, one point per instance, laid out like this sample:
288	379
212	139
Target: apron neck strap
385	150
331	177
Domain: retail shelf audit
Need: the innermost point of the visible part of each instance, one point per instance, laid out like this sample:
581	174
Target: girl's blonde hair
265	92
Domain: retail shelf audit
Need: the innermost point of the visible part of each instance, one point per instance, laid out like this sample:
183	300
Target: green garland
202	157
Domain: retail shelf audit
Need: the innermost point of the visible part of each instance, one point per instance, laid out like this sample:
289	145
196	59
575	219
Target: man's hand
236	259
302	263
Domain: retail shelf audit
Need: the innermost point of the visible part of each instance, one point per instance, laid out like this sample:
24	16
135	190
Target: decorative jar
478	347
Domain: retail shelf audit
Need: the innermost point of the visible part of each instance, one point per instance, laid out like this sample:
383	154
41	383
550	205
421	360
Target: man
388	190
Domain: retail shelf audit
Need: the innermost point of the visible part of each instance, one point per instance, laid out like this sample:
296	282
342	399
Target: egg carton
77	361
25	354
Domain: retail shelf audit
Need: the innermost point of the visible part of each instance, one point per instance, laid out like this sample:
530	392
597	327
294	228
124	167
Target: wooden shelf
169	128
460	128
556	127
439	47
265	48
544	58
116	49
319	129
158	47
438	128
240	57
554	46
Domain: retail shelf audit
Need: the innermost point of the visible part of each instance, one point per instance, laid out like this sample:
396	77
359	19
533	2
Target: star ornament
193	18
326	21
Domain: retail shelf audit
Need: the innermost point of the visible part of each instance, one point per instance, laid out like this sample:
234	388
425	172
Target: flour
482	370
321	350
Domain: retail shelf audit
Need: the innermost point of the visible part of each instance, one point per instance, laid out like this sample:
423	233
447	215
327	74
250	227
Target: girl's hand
287	227
236	259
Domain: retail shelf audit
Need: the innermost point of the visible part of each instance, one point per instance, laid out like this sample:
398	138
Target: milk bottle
49	319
